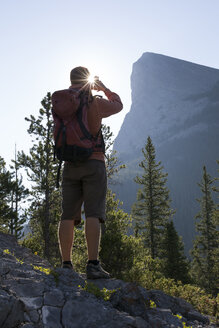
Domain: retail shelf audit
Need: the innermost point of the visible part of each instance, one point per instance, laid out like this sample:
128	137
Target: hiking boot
96	272
67	266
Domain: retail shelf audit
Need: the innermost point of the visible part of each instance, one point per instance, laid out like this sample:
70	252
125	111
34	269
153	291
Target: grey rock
54	298
32	303
26	317
29	288
130	300
34	316
158	322
69	278
51	317
165	315
3	292
5	307
3	269
88	313
30	298
194	315
25	271
110	284
81	314
141	323
129	321
175	304
11	311
8	241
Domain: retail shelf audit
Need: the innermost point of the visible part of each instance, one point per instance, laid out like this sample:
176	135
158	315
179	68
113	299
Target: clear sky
42	40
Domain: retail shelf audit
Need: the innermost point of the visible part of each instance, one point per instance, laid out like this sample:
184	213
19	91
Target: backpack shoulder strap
79	114
63	130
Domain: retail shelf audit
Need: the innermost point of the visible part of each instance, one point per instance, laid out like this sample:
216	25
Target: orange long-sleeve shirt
101	108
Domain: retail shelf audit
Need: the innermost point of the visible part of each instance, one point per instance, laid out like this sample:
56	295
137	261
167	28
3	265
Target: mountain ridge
176	103
149	53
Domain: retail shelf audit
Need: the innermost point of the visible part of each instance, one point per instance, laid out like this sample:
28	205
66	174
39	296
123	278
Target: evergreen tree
215	269
152	209
18	194
5	189
216	190
205	246
41	171
12	192
175	264
117	248
112	164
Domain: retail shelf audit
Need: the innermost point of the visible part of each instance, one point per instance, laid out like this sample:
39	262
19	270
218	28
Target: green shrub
96	291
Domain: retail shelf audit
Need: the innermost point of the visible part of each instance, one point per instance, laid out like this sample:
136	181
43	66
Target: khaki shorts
84	183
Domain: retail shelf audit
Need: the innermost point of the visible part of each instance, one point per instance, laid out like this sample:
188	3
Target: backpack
73	140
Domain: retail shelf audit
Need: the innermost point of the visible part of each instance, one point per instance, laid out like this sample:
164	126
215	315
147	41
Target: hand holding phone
98	85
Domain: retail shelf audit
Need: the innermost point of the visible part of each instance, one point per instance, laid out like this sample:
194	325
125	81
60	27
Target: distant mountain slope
177	104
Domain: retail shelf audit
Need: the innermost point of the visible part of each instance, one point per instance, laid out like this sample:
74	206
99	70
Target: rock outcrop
176	103
33	294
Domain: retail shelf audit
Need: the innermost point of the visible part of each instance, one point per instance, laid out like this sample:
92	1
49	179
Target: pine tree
18	194
215	253
117	248
206	244
41	171
175	264
5	189
112	163
216	190
152	209
12	192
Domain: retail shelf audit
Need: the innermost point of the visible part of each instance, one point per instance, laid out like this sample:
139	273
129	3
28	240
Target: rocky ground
33	294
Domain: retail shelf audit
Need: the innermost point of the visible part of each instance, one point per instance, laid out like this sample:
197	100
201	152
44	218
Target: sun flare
91	79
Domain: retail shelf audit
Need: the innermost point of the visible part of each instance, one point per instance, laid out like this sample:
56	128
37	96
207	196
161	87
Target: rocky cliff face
33	294
176	103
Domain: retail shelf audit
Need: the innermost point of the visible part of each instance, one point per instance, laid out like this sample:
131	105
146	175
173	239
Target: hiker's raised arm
109	107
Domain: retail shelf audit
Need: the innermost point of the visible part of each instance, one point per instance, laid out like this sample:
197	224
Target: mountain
176	103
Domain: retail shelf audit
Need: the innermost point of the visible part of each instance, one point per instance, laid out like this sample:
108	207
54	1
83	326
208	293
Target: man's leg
92	231
66	239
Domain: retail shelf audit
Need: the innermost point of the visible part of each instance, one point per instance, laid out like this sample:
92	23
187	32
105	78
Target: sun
91	79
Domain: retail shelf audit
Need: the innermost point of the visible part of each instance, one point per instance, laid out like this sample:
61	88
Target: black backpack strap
102	143
79	114
58	174
56	140
63	129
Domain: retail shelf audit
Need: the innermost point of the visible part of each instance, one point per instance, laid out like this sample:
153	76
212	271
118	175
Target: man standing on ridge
86	182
